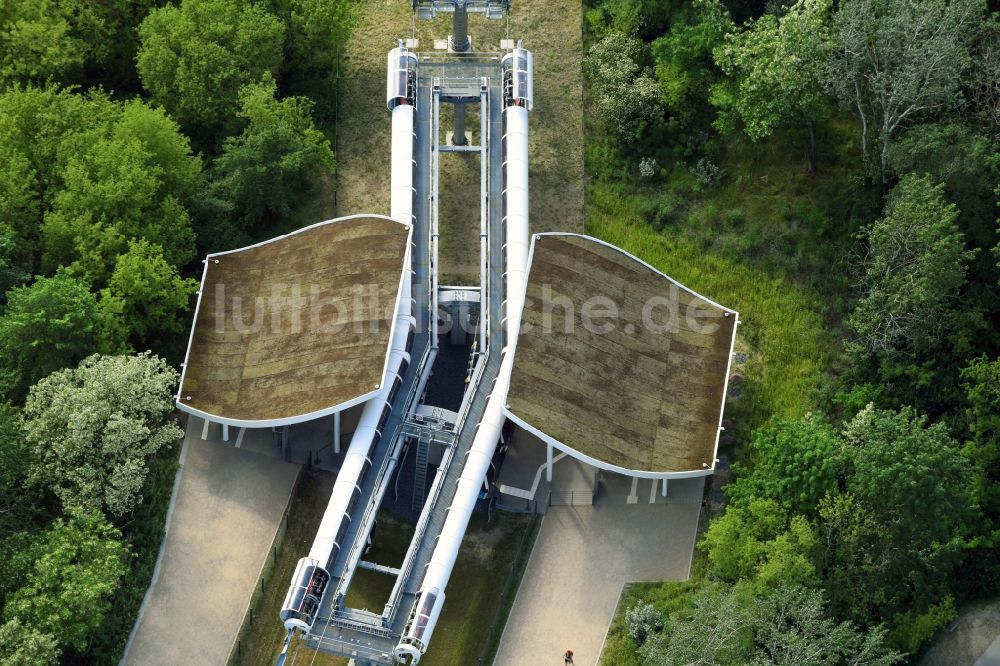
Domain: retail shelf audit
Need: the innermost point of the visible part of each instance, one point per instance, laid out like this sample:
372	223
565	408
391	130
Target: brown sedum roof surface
326	297
630	397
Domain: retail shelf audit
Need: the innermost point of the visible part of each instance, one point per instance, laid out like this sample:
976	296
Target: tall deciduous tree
46	326
15	461
794	461
776	68
33	124
93	429
23	645
912	269
985	80
76	566
195	57
684	69
982	386
70	41
315	33
19	205
791	628
761	545
788	626
969	167
894	539
627	97
262	171
100	173
114	48
38	42
150	296
897	60
715	632
13	264
128	178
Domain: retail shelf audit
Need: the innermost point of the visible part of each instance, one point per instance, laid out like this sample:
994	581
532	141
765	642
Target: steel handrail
375	501
407	567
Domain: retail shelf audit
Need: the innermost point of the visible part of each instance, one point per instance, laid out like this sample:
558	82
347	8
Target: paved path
581	559
225	512
992	655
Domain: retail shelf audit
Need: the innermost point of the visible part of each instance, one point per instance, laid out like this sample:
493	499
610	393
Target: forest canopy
849	152
134	136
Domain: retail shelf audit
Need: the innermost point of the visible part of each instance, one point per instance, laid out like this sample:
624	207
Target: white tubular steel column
312	573
400	99
401	201
517	211
309	582
427	610
311	577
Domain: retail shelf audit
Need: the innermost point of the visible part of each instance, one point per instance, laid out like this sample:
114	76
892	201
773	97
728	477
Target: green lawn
768	240
390	539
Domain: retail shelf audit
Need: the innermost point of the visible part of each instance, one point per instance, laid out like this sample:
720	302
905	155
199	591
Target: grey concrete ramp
992	655
584	555
226	509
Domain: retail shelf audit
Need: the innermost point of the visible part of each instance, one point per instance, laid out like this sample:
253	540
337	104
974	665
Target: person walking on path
568	658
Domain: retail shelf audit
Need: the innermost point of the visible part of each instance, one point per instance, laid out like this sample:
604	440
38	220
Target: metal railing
406	569
266	572
421	528
571	498
352	648
357	625
371	509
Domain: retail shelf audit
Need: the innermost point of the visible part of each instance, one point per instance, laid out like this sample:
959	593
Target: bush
643	620
706	173
912	630
648	167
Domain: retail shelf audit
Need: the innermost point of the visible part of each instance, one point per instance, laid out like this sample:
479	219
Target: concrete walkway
225	512
992	655
582	558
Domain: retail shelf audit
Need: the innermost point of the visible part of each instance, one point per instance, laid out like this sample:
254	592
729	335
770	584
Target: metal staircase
420	473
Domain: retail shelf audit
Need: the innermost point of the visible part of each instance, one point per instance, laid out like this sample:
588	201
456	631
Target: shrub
643	620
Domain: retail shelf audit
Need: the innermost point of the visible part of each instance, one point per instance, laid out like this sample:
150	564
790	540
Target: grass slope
770	241
266	635
551	28
782	330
